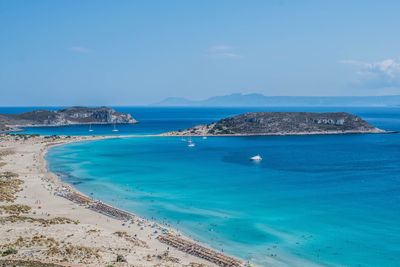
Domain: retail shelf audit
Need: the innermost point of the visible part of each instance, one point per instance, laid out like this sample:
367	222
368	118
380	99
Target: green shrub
120	258
9	251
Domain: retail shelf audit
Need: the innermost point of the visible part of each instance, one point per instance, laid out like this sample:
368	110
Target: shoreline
20	131
134	227
21	127
176	238
178	252
184	134
124	215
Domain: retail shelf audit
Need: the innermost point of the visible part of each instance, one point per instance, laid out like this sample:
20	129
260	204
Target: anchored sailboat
90	128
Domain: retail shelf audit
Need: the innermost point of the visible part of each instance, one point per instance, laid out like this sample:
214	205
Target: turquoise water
329	200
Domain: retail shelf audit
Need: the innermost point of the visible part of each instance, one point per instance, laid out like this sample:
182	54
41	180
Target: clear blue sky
138	52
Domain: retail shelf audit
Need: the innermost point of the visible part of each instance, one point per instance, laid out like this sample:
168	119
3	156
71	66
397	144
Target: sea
322	200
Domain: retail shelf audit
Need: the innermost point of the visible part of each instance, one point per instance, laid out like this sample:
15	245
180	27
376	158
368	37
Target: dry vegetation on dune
8	175
80	254
14	209
34	233
9	186
132	239
51	248
35	241
4	153
40	221
164	257
27	263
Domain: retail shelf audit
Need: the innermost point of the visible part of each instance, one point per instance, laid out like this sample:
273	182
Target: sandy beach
39	224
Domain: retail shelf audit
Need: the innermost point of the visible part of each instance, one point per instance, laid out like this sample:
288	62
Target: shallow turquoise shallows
328	200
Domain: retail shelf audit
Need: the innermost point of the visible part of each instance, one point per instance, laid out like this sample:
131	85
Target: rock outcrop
68	116
283	123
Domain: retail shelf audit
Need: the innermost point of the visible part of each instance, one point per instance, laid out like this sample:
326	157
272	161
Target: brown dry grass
27	263
14	209
164	258
132	239
9	186
42	222
55	250
8	175
92	231
35	241
194	264
74	253
6	152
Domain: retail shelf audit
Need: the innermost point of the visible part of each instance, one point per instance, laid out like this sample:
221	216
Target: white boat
90	128
256	158
204	137
115	129
190	143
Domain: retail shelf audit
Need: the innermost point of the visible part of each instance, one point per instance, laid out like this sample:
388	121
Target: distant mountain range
243	100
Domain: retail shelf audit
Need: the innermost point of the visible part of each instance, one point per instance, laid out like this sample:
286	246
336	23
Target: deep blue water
329	200
156	120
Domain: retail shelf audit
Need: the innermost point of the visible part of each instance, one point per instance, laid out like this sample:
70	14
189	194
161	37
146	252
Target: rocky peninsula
62	117
282	123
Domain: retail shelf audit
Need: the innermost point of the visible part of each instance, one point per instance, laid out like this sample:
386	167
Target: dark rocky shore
67	116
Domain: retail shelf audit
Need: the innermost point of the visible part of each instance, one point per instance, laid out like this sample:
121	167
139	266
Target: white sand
94	230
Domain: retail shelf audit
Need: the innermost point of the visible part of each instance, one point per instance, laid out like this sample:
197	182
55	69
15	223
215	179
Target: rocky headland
67	116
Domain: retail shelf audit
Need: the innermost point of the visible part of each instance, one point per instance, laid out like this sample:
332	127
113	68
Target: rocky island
62	117
282	123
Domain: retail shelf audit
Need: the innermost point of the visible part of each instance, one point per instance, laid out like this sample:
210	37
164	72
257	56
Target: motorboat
256	158
190	143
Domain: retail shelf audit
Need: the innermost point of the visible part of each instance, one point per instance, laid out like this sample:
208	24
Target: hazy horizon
251	100
137	53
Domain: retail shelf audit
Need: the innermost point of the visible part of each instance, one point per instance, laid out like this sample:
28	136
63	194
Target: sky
95	52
